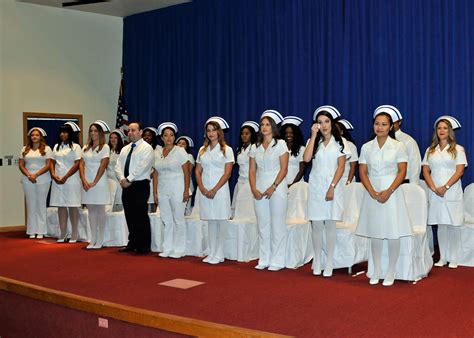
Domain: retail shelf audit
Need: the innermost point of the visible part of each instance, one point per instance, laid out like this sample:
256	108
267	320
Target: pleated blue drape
236	58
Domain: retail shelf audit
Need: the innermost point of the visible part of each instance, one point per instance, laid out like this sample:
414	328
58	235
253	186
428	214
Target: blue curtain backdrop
236	58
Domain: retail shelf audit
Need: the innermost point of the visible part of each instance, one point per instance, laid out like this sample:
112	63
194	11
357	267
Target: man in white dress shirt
414	157
133	171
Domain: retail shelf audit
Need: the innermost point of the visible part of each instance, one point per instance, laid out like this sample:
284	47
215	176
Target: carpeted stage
288	302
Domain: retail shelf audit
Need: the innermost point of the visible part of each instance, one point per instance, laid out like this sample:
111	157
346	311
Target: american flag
122	113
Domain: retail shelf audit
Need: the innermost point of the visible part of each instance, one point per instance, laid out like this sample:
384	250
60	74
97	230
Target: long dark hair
253	138
391	132
154	140
71	136
345	132
120	143
275	132
298	139
334	132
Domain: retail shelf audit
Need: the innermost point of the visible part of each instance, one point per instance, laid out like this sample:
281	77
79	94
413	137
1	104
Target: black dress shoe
126	249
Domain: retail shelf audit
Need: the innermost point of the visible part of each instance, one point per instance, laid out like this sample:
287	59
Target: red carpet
291	302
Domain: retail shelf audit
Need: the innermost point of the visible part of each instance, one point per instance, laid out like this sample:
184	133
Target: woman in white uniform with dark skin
443	167
116	143
267	172
213	170
328	153
248	136
92	169
384	214
351	163
187	143
293	137
173	173
66	187
34	164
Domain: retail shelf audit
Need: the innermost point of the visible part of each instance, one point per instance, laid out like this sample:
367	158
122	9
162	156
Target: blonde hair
101	138
220	138
29	144
451	140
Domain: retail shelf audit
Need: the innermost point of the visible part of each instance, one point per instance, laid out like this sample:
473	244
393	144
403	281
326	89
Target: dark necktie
127	161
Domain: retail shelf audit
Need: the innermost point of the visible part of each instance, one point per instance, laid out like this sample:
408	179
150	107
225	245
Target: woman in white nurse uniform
351	163
384	214
116	143
328	153
34	164
187	143
267	172
213	170
66	187
173	173
293	137
242	194
443	167
95	193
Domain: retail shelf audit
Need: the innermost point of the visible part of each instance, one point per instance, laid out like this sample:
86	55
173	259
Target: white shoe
164	254
261	267
215	260
90	246
440	263
73	241
97	246
61	240
388	282
373	281
176	255
327	272
32	236
275	268
207	259
452	265
317	272
39	236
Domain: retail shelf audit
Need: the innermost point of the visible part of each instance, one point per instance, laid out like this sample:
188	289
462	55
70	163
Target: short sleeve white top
243	162
65	157
34	161
170	171
99	194
294	165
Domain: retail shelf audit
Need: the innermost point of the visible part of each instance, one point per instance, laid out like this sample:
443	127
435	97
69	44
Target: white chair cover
156	227
116	231
197	236
244	207
297	205
466	254
429	228
242	240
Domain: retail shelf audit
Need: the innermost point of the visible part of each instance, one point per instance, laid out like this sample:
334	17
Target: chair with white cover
196	232
116	230
241	243
156	228
299	247
415	260
429	228
350	249
466	254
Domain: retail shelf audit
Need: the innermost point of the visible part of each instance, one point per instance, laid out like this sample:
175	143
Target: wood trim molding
26	115
153	319
13	228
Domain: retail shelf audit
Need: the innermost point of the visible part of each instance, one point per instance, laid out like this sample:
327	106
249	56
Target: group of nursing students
272	156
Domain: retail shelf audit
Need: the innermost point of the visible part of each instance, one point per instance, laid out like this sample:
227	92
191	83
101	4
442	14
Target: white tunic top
34	161
98	194
324	166
387	220
268	166
353	158
243	162
448	209
69	193
213	167
111	167
414	157
170	172
294	165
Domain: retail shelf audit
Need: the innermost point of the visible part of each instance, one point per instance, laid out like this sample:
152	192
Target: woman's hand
211	193
314	129
330	194
440	191
186	196
384	195
257	194
32	178
85	185
269	192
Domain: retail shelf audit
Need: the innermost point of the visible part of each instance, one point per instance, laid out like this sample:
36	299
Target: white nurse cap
252	124
120	133
41	130
454	122
219	120
273	114
75	128
152	129
330	109
346	124
164	125
187	138
390	110
292	120
105	128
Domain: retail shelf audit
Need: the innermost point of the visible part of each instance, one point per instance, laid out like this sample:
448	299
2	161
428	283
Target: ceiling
120	8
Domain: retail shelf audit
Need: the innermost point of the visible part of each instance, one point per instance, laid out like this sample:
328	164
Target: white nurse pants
172	211
271	219
36	195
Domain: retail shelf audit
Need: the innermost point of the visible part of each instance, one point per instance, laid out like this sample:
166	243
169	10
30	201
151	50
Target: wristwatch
447	186
333	185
